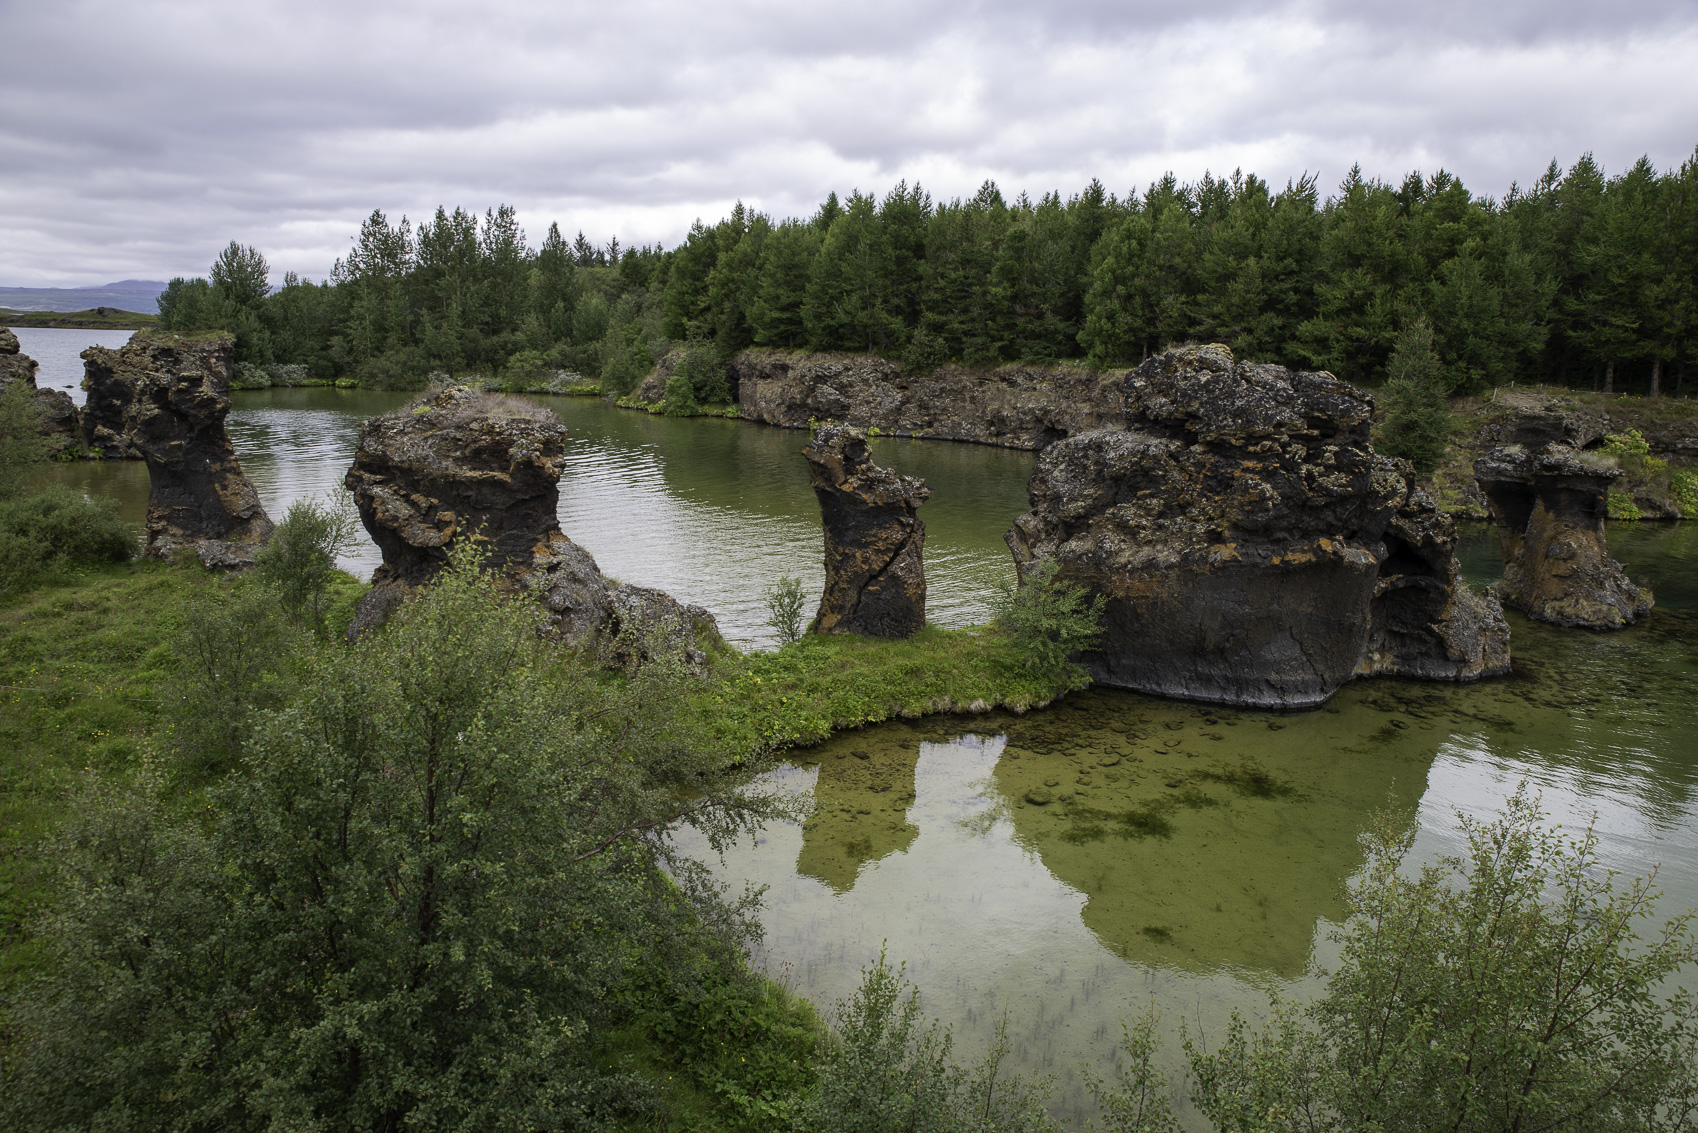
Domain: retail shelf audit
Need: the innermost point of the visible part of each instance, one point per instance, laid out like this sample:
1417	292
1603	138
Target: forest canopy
1580	279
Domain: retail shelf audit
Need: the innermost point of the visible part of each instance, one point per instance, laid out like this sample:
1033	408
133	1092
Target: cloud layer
140	137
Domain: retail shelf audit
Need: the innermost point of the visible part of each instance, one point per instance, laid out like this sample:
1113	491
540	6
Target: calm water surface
1193	857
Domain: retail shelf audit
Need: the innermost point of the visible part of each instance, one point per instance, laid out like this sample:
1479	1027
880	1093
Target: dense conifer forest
1580	278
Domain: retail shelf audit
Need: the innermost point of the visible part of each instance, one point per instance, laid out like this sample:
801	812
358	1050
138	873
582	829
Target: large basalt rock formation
1253	548
60	426
1012	406
165	396
1548	498
465	463
875	579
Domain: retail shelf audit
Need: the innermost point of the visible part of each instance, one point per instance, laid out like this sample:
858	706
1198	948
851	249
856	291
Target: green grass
804	692
84	665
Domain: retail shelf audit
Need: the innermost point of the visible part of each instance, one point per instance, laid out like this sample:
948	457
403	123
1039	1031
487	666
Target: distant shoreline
96	318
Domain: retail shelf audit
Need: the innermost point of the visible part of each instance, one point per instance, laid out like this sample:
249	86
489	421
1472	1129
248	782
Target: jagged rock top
8	341
461	460
841	460
1202	392
1220	453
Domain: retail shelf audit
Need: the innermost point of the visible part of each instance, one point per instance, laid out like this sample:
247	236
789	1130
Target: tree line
1580	279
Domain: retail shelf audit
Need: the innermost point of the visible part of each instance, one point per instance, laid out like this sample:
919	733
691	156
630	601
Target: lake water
922	842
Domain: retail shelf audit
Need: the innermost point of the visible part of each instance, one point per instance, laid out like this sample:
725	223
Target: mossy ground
804	692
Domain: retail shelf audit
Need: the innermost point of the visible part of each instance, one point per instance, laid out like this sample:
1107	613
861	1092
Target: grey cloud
142	136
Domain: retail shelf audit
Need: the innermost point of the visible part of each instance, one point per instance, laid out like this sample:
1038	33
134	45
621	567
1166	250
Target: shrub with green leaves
887	1067
1504	989
299	562
1050	620
785	602
22	446
58	527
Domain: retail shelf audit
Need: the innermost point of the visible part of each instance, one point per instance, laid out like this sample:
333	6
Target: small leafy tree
21	443
1138	1100
785	601
1417	422
1049	620
886	1067
1505	989
300	560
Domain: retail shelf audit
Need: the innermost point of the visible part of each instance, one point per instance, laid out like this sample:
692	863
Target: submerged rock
61	427
1548	497
1253	548
469	464
875	579
163	397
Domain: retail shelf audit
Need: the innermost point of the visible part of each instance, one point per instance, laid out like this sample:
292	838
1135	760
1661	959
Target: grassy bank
804	692
97	318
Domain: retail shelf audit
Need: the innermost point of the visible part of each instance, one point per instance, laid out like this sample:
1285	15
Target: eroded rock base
1548	497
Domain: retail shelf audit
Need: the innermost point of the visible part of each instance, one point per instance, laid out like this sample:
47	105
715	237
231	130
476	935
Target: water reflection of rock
861	802
1204	838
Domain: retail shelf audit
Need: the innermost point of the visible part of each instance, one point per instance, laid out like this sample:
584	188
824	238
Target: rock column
875	580
164	398
1549	499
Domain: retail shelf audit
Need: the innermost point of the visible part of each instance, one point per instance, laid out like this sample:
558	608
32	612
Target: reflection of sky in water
980	922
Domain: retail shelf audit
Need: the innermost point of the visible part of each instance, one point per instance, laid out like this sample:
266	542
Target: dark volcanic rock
1424	620
60	424
470	464
1250	542
1012	406
1548	498
875	579
165	397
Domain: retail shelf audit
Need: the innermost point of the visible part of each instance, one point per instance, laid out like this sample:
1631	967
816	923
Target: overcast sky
139	137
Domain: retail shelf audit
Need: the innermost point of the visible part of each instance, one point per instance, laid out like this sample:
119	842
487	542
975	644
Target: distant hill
138	295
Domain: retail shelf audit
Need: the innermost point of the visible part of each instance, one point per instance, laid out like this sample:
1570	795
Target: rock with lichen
61	427
1549	498
1252	546
875	579
465	464
164	397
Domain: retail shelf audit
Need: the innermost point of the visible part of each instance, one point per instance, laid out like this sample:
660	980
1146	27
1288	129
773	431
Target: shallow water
1193	857
1190	857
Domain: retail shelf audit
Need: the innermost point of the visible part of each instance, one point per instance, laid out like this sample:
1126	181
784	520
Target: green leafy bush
59	527
413	907
785	602
1049	620
1505	989
887	1067
299	562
